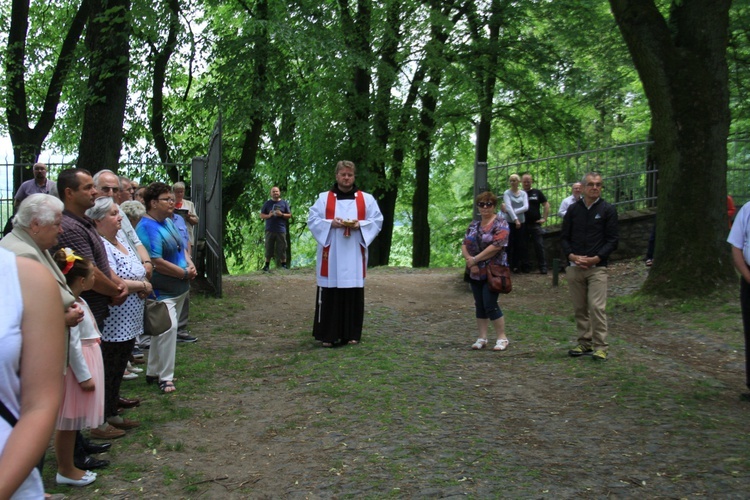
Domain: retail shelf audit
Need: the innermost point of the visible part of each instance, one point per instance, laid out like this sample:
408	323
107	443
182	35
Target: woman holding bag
172	274
483	245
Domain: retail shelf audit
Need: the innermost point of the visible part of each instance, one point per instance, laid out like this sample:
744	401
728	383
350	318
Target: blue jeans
485	302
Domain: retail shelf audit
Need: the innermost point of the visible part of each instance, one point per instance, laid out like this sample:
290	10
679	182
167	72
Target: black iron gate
206	190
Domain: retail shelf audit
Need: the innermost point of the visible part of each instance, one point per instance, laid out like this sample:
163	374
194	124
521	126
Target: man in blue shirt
276	213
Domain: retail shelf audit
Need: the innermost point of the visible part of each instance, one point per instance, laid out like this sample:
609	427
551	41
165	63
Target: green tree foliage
401	87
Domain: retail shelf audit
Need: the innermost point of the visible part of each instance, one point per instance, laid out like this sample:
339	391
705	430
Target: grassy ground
263	412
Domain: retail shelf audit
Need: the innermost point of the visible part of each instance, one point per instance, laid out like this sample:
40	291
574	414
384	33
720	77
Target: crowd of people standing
105	263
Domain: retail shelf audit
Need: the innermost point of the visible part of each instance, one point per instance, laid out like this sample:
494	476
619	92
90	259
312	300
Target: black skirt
339	313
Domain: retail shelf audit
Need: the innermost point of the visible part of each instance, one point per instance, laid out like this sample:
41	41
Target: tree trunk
235	184
161	61
682	65
27	141
487	63
386	190
434	62
357	37
108	43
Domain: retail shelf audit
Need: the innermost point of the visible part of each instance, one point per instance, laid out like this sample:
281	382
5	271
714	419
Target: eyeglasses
107	189
168	200
483	204
594	184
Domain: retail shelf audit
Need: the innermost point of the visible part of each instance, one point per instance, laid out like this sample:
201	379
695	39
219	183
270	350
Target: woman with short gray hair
134	210
125	321
36	227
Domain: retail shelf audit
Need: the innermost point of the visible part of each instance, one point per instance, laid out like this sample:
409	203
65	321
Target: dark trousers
745	306
516	246
651	244
485	301
535	233
115	356
339	314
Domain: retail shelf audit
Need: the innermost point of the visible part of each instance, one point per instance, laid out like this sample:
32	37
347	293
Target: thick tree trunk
108	43
682	65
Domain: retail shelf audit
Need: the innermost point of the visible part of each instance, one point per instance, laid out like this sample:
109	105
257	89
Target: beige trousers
588	291
163	349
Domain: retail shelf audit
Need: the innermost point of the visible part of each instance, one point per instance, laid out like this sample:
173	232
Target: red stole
330	213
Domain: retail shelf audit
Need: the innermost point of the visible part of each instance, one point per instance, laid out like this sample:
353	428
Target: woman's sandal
327	344
479	344
167	386
352	342
501	345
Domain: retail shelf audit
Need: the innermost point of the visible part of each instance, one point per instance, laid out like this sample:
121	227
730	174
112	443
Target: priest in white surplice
344	221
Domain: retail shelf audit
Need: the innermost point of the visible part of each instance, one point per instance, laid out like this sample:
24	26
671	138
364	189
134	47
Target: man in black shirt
534	222
589	236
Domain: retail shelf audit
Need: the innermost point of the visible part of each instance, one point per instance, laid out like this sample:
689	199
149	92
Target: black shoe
543	270
93	449
284	266
266	269
88	463
580	350
186	337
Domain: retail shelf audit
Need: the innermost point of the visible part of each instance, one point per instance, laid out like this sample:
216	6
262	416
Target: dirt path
527	423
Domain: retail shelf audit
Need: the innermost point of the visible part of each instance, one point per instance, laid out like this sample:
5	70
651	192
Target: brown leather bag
498	278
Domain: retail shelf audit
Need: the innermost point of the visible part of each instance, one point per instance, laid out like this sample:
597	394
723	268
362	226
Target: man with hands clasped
589	235
276	213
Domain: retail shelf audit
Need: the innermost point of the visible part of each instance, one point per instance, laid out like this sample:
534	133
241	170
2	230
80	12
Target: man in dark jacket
589	236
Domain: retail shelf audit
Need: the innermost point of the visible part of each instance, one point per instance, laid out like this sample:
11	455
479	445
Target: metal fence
628	170
9	171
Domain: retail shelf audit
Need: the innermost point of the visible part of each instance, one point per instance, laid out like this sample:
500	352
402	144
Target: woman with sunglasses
483	245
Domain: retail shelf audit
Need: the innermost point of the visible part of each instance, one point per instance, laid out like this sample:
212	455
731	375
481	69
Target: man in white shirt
739	238
575	195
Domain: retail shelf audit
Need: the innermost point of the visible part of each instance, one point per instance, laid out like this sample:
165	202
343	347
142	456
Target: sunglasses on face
483	204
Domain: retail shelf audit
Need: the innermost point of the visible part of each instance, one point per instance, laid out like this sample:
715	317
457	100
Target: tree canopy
412	91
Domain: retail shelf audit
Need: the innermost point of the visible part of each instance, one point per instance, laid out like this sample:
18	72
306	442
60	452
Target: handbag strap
7	415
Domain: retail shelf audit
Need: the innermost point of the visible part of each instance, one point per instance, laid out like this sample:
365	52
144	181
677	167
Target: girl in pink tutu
83	396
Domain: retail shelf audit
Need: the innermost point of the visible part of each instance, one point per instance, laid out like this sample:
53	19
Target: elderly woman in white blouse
125	321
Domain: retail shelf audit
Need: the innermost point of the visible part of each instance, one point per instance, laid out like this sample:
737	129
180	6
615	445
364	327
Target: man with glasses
589	235
107	183
126	190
